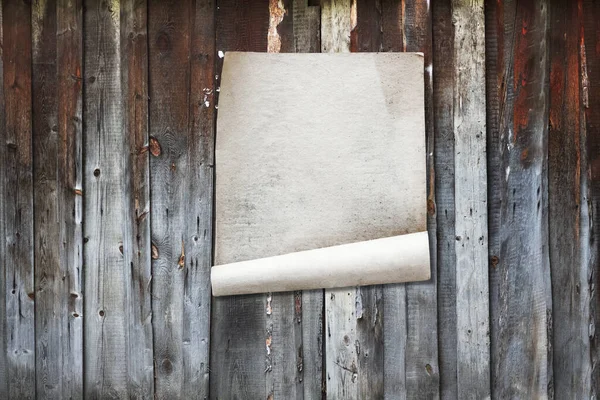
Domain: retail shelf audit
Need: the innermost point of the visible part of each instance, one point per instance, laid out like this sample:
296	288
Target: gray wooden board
18	201
472	307
3	286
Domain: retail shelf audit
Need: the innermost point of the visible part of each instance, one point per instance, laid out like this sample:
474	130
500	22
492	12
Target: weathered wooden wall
107	116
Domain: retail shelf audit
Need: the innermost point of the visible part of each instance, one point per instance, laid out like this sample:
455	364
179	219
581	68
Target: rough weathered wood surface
18	283
568	211
57	205
443	108
472	291
106	171
520	272
181	54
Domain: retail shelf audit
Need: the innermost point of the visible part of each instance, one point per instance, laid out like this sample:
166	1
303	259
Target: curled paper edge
395	259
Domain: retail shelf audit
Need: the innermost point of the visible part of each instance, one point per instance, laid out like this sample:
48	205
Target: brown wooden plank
136	247
3	342
589	61
568	215
519	277
18	200
443	104
181	51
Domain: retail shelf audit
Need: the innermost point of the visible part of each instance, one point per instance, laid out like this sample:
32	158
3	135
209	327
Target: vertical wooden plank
309	304
3	323
306	27
568	213
69	44
169	88
110	329
422	371
253	352
50	313
369	300
57	203
472	307
410	326
337	23
338	19
395	324
443	105
181	37
519	280
589	61
18	200
197	301
283	325
136	246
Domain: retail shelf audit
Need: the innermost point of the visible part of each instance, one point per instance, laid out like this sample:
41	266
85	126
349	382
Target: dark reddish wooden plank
589	61
18	200
568	214
520	276
368	33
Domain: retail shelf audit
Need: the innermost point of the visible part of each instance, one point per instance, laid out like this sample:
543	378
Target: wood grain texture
3	191
443	104
109	370
197	301
57	206
395	311
472	307
341	337
18	200
589	61
568	214
264	330
354	316
181	195
519	277
369	309
136	246
337	21
422	370
240	342
308	304
306	27
70	173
